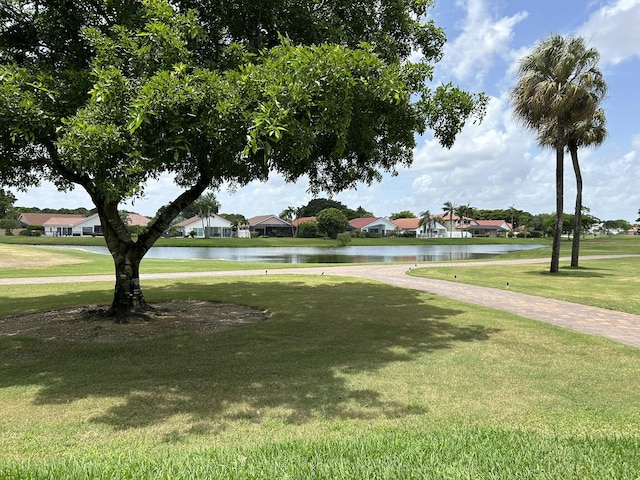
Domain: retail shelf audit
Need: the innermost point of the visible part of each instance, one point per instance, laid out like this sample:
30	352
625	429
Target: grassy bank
348	379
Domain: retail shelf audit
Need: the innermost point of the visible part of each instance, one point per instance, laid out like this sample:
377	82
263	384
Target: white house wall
380	227
219	226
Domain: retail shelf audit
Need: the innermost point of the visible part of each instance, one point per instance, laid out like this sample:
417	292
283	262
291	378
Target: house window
87	231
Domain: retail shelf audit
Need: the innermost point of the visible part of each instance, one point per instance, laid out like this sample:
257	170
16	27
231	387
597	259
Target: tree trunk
557	230
577	228
127	253
127	296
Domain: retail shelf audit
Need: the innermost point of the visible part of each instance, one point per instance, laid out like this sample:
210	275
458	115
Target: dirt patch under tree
89	323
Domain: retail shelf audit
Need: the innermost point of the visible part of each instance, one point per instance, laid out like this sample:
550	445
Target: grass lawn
348	379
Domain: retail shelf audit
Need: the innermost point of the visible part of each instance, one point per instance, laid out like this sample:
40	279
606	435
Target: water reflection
348	254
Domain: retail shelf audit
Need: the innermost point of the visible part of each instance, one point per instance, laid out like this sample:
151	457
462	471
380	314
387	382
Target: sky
497	163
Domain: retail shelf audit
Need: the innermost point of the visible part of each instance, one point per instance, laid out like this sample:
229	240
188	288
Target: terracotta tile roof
259	219
42	218
298	221
64	221
362	222
407	223
137	220
490	223
188	221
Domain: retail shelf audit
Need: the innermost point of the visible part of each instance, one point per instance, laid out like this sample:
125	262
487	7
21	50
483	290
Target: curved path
619	326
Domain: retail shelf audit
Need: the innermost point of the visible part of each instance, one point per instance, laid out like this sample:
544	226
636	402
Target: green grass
601	245
348	379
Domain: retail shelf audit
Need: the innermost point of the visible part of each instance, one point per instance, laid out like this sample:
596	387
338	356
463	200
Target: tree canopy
402	214
331	222
109	96
7	199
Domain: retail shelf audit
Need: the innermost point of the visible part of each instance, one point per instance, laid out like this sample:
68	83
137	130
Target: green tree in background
402	214
316	205
331	222
308	229
7	199
359	212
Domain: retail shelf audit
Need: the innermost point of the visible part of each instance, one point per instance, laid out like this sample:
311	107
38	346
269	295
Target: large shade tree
108	96
559	84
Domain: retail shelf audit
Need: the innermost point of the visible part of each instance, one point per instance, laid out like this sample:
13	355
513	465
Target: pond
347	254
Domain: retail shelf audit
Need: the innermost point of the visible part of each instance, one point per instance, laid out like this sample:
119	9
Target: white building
374	225
71	226
212	226
431	229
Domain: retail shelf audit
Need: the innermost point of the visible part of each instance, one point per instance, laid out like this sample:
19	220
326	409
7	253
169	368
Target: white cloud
490	166
607	181
613	31
472	54
48	196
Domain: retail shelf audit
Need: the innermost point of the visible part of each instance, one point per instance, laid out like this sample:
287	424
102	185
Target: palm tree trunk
577	228
451	224
557	230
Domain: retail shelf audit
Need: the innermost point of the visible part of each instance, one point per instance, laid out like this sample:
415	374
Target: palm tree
206	205
559	85
426	219
590	132
450	208
463	212
584	134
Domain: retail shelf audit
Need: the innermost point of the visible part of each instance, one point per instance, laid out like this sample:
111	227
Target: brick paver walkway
618	326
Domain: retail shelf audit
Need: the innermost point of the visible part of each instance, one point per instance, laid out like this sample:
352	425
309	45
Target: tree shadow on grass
296	364
572	272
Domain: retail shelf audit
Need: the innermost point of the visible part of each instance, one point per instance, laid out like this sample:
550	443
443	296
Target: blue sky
496	164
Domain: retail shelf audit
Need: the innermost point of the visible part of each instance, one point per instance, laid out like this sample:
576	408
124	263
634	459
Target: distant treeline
63	211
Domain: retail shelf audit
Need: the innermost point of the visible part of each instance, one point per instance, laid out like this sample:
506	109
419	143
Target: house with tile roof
27	219
490	228
296	223
211	226
373	225
411	226
271	226
72	225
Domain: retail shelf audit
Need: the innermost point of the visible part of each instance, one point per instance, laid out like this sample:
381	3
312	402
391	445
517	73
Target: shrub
331	222
308	229
344	238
